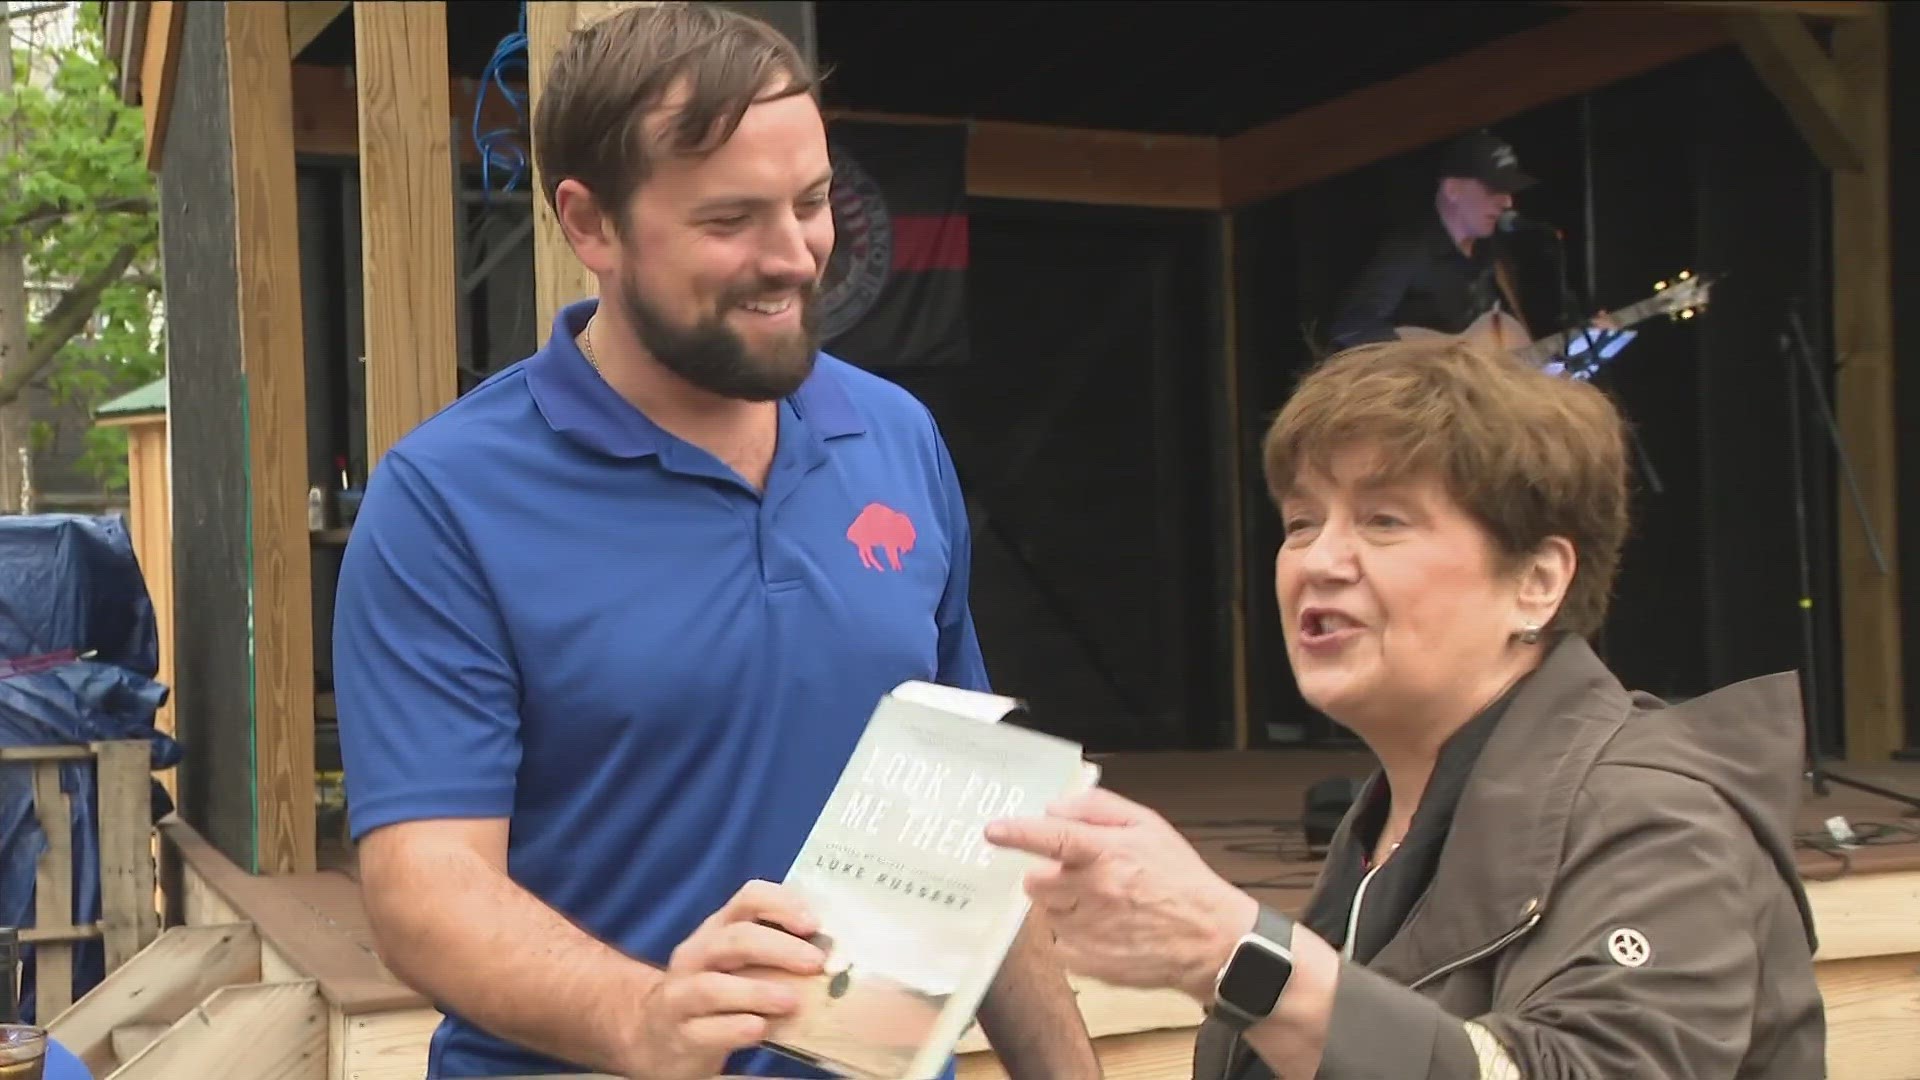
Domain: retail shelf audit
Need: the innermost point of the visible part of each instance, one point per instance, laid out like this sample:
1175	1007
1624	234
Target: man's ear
587	226
1545	578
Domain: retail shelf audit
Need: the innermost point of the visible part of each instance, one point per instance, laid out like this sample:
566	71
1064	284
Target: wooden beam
406	216
1571	55
125	30
1793	65
273	350
326	115
1864	397
1092	167
1005	160
1813	9
308	19
1089	166
159	63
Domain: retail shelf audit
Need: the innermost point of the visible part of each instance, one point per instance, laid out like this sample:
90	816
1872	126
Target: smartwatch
1251	981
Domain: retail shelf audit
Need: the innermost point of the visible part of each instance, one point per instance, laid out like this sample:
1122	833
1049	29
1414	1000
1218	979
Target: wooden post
558	277
273	363
308	19
53	892
406	216
159	67
150	520
150	512
1864	401
1839	105
128	918
1229	426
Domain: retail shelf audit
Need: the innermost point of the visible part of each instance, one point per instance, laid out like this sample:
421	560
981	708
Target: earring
1529	634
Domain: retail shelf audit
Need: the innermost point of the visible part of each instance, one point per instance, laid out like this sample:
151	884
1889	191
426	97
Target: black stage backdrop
1693	167
895	294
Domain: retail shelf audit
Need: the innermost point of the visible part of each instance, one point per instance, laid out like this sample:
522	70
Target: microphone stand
1794	344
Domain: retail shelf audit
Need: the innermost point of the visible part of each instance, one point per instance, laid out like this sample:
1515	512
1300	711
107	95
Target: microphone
1514	221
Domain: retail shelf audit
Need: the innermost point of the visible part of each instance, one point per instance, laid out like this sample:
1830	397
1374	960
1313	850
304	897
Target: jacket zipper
1484	951
1353	913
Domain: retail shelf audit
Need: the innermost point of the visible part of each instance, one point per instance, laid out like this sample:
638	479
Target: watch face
1253	981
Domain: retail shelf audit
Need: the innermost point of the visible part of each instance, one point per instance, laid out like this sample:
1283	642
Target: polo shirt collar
577	403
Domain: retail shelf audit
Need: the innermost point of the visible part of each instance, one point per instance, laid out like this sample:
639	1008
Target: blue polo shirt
553	610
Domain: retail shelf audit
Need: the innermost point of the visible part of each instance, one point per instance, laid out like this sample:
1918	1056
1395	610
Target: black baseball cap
1485	157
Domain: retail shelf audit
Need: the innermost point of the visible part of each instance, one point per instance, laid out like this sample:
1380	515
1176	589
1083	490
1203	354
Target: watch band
1274	927
1250	983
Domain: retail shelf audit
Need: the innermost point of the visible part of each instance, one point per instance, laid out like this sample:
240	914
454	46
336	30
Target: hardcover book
916	909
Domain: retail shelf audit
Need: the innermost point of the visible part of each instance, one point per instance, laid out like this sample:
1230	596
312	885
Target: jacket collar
1510	830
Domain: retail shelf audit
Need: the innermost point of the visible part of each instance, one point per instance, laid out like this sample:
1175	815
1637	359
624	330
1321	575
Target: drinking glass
23	1052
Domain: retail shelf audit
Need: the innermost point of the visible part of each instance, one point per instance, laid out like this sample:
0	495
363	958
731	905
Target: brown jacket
1617	900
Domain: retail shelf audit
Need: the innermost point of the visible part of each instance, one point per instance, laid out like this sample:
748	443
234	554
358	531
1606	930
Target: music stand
1601	346
1793	343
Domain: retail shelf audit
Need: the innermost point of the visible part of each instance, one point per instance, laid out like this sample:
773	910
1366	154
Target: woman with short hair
1549	876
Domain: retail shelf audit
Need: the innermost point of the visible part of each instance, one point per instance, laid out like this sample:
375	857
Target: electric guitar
1580	351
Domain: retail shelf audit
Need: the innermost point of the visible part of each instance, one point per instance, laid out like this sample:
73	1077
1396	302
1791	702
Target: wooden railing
129	918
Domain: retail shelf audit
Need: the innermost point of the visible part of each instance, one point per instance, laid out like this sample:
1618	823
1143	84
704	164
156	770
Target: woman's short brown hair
1527	454
611	73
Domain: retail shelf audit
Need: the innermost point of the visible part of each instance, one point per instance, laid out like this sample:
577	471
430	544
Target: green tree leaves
80	200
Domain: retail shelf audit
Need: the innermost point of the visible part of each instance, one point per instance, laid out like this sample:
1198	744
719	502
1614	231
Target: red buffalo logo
881	527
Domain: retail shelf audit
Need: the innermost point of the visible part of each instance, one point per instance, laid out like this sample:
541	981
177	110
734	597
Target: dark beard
711	356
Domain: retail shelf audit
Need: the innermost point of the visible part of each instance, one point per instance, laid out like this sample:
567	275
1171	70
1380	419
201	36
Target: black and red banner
895	292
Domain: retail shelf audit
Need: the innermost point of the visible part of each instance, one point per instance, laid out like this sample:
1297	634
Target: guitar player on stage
1445	274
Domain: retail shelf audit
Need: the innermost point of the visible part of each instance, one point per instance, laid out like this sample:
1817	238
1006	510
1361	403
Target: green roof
149	398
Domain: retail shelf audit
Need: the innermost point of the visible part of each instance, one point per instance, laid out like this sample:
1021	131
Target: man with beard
609	625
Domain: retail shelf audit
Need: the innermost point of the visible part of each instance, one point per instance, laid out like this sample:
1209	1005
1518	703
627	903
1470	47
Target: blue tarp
71	582
78	651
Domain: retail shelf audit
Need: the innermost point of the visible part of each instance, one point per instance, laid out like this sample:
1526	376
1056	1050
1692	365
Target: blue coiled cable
500	148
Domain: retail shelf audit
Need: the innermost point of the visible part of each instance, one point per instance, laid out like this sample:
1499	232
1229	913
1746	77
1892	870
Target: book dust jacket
916	909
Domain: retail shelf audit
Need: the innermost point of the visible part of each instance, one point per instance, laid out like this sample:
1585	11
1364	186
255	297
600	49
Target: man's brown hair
613	73
1526	454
